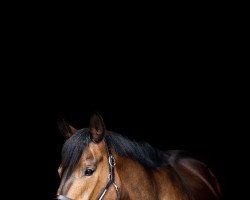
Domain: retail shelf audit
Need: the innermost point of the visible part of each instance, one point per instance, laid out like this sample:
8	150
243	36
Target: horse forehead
93	151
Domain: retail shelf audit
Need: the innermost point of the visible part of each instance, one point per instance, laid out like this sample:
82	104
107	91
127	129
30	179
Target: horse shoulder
196	178
168	184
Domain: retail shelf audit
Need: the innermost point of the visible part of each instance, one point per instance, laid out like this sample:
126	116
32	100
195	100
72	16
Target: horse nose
61	197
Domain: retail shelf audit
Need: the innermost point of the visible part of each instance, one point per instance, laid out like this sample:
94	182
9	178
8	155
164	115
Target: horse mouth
60	197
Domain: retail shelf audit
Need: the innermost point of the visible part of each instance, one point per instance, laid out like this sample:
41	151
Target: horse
98	164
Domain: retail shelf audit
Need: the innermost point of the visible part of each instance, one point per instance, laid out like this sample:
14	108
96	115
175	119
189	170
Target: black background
201	107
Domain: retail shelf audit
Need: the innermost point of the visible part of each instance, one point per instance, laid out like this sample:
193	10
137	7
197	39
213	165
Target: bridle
111	177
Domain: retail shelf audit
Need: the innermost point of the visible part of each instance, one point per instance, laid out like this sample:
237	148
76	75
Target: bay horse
98	164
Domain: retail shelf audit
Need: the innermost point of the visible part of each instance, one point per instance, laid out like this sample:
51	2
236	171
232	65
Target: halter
111	177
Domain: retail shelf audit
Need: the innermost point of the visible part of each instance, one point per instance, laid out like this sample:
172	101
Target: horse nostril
61	197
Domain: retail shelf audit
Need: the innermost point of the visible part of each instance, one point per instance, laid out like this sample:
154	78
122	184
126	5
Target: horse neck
137	182
129	175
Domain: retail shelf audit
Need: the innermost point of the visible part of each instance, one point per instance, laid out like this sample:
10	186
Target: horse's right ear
65	128
96	127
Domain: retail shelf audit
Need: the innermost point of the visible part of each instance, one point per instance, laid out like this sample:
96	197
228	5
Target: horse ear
96	127
65	128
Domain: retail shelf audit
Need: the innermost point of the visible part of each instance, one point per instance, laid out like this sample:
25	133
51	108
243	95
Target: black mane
72	151
144	153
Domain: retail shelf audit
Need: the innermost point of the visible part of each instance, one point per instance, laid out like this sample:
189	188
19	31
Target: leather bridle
111	177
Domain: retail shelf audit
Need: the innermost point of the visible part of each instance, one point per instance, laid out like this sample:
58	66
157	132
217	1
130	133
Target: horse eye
88	172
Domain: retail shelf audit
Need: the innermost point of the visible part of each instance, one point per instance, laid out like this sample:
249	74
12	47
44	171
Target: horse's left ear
65	128
96	127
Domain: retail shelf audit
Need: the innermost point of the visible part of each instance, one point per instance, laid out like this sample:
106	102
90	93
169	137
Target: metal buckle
112	161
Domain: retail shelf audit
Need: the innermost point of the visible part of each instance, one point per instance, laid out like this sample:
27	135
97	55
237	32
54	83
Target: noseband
111	177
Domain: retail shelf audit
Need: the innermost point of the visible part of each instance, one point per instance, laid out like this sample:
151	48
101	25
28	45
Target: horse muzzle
61	197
